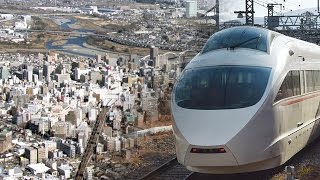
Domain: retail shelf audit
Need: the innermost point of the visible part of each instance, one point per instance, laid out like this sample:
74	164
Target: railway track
170	170
91	143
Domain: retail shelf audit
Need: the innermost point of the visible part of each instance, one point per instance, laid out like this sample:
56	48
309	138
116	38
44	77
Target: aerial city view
159	89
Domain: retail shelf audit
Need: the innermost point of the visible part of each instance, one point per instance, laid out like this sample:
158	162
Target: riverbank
111	46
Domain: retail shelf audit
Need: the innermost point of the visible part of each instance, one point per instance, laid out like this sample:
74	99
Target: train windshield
238	37
221	87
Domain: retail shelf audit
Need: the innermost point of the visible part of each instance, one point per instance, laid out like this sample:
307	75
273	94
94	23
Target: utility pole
270	21
217	14
249	12
270	10
216	11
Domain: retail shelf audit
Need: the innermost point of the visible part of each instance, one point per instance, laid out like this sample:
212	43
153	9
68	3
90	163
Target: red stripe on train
309	96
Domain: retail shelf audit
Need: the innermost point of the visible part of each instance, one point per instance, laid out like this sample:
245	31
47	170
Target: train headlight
201	150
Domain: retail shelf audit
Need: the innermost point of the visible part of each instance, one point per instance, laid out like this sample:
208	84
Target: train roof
256	46
251	37
238	37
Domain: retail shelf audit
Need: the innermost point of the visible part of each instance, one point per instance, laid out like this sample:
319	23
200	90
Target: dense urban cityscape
85	86
49	104
53	95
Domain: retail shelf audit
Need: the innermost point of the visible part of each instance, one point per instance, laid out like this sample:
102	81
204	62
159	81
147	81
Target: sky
228	6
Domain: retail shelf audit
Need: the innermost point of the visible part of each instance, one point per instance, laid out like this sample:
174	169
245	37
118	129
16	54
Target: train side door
311	104
289	110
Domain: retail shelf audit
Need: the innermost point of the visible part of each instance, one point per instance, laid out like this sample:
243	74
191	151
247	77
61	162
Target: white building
51	163
38	168
7	16
6	177
15	172
65	170
78	72
89	10
21	25
192	8
92	114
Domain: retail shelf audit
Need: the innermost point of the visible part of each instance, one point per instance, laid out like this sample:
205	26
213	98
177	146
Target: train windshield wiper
246	41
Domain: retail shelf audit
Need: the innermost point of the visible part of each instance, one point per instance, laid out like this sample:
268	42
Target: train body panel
230	123
219	129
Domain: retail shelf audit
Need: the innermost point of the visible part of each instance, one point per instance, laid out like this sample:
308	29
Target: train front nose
210	106
202	136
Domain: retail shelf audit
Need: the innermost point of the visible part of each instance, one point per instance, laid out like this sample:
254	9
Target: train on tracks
249	101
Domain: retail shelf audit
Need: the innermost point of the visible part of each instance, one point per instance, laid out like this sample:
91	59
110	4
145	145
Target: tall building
88	173
192	8
31	153
40	56
68	149
98	58
4	72
160	61
154	51
47	70
62	129
29	73
41	153
77	74
44	89
49	146
35	78
5	140
52	57
60	69
38	72
41	125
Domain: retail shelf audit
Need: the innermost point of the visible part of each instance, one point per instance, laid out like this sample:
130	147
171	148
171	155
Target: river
76	45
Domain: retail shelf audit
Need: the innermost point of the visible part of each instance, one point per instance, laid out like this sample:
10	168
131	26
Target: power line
263	2
290	2
286	6
260	4
284	2
265	6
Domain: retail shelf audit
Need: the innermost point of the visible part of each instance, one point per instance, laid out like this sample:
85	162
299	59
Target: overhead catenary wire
260	2
290	5
285	4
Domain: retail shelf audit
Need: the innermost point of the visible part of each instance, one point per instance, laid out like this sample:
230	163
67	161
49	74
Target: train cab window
238	37
221	87
290	86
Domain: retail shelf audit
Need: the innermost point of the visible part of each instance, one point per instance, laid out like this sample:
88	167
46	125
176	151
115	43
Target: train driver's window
290	86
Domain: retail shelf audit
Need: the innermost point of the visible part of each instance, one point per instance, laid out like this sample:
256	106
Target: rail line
169	170
91	143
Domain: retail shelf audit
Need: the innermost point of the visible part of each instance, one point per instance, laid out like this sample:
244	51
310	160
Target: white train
249	101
